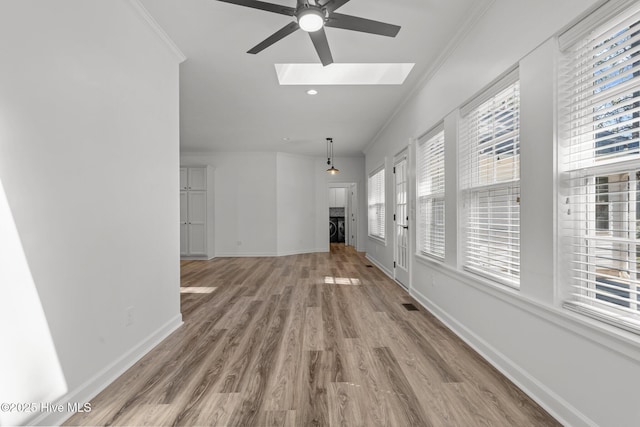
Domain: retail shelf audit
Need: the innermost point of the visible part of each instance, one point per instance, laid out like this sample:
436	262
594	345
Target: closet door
197	222
197	179
184	179
184	224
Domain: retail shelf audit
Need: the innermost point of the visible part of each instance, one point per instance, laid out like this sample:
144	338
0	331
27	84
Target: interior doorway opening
343	213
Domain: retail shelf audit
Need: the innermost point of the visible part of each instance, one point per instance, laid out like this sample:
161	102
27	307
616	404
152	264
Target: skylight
343	74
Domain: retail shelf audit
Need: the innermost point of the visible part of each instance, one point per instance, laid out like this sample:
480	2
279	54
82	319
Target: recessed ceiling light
312	92
286	138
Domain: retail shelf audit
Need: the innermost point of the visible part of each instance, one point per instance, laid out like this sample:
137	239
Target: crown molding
479	9
153	24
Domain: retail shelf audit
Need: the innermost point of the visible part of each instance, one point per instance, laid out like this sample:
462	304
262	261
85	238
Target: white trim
559	408
268	254
153	24
377	239
245	254
433	131
426	259
93	386
302	251
381	267
464	28
594	17
378	169
609	337
498	84
196	258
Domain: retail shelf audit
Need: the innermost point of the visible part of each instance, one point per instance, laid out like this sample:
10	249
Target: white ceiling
231	100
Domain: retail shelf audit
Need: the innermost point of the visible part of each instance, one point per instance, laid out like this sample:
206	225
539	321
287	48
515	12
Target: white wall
554	355
245	201
89	163
296	213
272	204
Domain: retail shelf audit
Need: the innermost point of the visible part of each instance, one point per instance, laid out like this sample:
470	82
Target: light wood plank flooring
308	340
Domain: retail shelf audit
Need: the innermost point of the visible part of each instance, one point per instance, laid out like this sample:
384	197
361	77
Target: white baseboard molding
268	254
196	258
381	267
303	251
245	254
102	379
559	408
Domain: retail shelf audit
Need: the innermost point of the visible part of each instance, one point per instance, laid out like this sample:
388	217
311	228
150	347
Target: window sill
378	240
627	323
428	260
610	337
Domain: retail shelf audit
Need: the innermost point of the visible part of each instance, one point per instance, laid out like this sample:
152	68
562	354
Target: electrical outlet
129	316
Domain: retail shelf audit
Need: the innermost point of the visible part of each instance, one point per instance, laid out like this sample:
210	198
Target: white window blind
376	204
601	155
430	189
489	167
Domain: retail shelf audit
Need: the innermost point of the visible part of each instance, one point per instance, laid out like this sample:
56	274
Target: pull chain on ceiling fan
312	18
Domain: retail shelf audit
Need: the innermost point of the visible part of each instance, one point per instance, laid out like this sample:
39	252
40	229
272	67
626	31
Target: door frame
348	208
402	275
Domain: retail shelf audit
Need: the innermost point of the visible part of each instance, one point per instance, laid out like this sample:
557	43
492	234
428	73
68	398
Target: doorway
401	220
343	213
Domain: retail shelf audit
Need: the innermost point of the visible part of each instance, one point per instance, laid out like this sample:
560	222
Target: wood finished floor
308	340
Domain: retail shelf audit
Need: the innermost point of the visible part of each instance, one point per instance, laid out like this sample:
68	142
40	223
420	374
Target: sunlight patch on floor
330	280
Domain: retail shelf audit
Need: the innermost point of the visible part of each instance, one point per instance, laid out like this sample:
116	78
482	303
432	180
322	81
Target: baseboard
245	254
267	254
381	267
305	251
196	258
102	379
560	409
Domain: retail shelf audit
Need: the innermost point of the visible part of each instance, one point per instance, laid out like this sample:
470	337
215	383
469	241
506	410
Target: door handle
406	227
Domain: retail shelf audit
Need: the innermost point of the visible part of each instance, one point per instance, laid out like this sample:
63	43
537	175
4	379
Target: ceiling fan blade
332	5
354	23
269	7
278	35
319	39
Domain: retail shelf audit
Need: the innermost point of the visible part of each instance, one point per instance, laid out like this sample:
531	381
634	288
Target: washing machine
333	229
341	230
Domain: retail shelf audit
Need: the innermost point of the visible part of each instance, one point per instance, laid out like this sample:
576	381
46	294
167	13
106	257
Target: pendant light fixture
331	170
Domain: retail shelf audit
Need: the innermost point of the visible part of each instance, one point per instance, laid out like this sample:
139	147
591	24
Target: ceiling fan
312	17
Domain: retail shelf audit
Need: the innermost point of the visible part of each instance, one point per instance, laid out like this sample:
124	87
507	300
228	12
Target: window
376	204
430	188
489	165
602	181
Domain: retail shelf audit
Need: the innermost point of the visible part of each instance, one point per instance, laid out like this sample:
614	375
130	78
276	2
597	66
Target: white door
184	225
401	221
353	214
197	178
183	179
197	226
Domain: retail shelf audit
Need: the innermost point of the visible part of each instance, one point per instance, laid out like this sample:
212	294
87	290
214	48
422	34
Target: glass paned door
401	221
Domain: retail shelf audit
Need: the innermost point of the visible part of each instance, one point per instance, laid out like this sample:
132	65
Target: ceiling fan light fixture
310	19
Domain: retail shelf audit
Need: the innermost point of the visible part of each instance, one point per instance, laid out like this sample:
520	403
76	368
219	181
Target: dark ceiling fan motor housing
319	38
